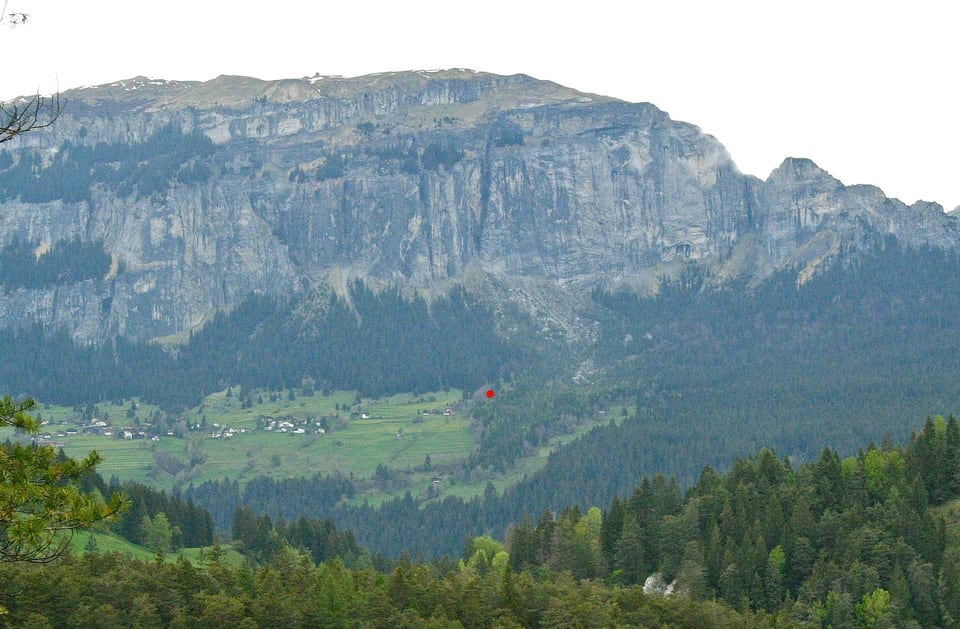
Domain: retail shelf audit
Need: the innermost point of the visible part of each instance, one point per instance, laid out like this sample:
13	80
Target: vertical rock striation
417	179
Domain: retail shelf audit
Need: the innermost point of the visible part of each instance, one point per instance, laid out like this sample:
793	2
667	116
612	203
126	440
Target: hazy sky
865	89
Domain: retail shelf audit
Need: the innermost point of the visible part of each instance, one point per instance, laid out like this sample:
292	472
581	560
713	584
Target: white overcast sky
868	90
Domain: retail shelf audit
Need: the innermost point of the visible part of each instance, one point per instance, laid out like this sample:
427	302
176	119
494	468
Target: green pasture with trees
399	431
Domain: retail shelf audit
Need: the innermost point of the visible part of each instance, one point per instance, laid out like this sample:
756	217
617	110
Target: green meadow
399	432
108	542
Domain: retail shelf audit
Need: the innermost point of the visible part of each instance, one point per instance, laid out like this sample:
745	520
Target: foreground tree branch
41	503
14	18
38	112
30	114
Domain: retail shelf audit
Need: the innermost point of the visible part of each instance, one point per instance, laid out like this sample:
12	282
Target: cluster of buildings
284	424
98	427
225	432
288	424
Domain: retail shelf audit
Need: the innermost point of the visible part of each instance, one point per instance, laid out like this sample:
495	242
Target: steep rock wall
418	179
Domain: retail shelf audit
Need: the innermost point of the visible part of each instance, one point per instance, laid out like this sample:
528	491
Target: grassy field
397	431
109	543
363	434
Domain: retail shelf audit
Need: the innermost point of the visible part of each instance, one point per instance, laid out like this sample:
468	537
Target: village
147	430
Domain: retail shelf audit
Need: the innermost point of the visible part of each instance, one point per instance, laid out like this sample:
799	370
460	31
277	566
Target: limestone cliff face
594	190
806	216
419	179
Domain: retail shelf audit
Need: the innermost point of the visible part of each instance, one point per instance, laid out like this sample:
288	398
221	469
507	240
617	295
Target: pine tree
952	456
628	558
244	525
523	546
611	530
41	502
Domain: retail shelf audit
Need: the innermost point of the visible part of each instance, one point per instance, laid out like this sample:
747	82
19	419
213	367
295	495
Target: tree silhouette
23	115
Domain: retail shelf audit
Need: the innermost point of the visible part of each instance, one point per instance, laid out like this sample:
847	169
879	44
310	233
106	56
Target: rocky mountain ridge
523	189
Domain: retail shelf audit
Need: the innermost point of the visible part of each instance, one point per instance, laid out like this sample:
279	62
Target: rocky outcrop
806	215
418	179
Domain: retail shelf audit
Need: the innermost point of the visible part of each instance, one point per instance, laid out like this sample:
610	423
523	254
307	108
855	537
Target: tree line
835	542
314	496
379	343
144	167
155	520
66	262
108	590
841	542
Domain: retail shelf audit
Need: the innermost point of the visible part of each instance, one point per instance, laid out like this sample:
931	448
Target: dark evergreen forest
869	540
143	167
188	525
712	374
378	343
709	373
67	262
828	539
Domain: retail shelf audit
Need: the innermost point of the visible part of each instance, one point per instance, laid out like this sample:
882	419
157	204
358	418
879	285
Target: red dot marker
489	392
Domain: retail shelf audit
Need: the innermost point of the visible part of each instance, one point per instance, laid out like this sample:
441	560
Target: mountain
594	260
522	190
